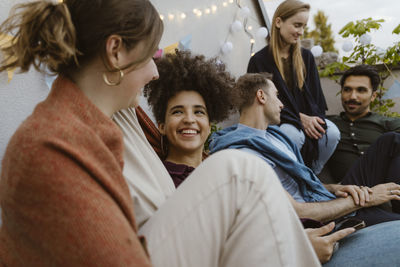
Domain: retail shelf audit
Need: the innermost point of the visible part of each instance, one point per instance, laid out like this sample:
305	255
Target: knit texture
64	200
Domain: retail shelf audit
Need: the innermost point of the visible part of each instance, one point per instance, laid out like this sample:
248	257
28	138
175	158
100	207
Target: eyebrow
357	88
195	106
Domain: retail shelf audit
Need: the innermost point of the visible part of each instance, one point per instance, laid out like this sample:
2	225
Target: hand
360	194
383	193
323	245
312	126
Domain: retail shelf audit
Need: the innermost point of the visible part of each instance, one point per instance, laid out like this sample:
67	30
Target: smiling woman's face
186	125
293	27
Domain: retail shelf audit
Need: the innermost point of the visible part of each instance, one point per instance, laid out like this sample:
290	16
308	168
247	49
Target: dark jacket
310	100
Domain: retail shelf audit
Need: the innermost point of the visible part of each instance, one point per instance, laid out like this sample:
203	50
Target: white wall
18	98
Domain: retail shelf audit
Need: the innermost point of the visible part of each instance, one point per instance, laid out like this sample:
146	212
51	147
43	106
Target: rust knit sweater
64	200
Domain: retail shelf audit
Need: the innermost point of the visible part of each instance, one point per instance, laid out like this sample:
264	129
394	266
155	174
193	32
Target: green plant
322	34
365	52
214	128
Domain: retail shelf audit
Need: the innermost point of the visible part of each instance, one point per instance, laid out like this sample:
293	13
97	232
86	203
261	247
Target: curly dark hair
363	70
247	86
183	71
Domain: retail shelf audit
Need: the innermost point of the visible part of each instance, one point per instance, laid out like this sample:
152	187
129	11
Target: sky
340	12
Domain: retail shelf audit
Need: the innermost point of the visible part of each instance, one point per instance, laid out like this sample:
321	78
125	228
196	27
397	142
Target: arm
330	210
324	211
360	194
73	217
322	243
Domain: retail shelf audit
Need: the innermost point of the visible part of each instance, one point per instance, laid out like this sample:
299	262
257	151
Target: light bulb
316	50
183	16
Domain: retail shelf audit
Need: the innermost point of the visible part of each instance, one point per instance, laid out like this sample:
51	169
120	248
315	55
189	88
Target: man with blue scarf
260	109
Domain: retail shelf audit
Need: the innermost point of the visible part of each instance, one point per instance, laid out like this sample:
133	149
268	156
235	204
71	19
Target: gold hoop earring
112	83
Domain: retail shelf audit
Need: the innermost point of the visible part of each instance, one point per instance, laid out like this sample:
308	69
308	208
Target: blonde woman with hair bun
295	75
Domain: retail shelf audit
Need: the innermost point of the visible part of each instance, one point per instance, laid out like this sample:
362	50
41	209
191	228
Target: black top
309	100
178	172
356	138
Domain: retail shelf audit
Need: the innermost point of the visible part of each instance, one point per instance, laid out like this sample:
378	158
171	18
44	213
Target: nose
301	31
353	94
188	118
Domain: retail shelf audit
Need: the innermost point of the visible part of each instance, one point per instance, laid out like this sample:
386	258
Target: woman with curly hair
191	93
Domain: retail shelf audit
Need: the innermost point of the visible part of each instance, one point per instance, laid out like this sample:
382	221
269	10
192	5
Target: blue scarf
244	137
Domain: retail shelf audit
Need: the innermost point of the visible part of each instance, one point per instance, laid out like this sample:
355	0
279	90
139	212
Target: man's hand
360	194
383	193
323	245
312	126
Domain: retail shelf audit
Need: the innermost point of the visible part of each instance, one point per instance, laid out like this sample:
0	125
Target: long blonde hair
284	11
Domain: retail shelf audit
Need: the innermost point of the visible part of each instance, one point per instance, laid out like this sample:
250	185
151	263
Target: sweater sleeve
59	214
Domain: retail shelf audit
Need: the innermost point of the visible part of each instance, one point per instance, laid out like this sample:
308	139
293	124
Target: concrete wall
209	32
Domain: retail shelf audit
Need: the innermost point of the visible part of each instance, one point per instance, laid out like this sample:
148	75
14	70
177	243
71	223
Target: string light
241	22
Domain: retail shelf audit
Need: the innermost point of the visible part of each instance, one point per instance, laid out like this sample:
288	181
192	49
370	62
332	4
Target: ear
114	49
373	96
161	128
261	96
278	22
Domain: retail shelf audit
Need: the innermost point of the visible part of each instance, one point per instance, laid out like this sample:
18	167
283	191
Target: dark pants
381	164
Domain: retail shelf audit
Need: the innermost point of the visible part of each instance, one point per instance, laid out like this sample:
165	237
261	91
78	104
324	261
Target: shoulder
261	56
391	123
306	53
334	118
308	57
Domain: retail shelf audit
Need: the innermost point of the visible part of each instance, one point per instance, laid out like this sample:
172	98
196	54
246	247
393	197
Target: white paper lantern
236	26
316	50
365	39
262	33
380	52
244	12
347	46
226	48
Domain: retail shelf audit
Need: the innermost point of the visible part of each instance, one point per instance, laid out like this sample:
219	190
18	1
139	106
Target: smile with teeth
188	131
